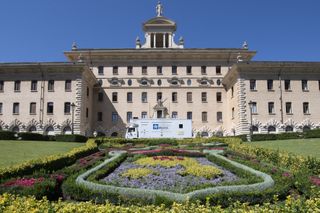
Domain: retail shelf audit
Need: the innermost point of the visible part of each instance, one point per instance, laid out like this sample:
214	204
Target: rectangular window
189	70
15	108
174	97
232	92
144	70
1	86
304	84
189	115
87	112
204	116
219	97
189	97
129	116
232	113
100	118
174	115
219	117
33	108
100	96
318	85
270	84
174	70
144	115
287	85
159	70
203	70
306	108
114	117
34	85
271	108
204	97
129	70
288	107
67	86
218	70
144	97
17	85
129	97
254	109
253	85
88	91
50	108
1	105
67	108
100	70
114	97
51	85
115	70
159	96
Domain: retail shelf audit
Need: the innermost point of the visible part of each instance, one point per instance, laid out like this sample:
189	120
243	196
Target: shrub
7	135
29	136
71	138
315	133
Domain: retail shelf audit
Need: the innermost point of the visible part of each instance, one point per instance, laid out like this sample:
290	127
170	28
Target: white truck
159	128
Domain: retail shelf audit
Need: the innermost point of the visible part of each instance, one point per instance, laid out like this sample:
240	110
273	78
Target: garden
162	175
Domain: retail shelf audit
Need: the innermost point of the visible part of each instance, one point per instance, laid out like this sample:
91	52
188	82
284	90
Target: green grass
305	147
13	152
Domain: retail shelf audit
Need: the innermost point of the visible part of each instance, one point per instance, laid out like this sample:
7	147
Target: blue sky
40	30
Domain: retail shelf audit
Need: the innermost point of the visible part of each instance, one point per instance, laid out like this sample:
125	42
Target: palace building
223	91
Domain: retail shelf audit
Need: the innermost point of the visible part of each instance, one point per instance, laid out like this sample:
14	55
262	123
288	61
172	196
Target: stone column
164	40
154	41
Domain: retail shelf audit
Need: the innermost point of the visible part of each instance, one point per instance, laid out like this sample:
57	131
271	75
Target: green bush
7	135
71	138
315	133
29	136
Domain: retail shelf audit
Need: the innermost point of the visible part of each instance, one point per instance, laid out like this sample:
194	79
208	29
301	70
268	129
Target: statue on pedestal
159	9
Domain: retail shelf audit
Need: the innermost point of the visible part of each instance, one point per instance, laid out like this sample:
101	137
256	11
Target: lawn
13	152
305	147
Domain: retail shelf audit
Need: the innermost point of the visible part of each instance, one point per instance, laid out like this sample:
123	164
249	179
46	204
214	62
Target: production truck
159	128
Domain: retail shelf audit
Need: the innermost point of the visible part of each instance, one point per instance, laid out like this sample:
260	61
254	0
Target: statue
159	9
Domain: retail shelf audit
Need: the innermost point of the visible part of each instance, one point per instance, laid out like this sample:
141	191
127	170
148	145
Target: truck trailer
159	128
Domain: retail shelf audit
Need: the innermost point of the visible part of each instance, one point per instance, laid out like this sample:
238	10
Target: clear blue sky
40	30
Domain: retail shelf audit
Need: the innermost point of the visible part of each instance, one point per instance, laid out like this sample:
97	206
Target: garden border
151	195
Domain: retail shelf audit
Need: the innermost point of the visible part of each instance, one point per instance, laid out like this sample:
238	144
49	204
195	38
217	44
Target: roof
160	22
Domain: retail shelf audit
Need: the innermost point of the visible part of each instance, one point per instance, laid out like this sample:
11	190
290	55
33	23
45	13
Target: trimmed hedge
7	135
29	136
315	133
50	163
71	138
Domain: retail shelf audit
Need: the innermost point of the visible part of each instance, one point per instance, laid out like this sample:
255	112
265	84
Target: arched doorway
289	129
32	129
15	129
204	134
255	129
306	128
271	129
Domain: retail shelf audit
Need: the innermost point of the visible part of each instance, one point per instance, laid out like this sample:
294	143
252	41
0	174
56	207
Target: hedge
71	138
7	135
29	136
50	163
151	196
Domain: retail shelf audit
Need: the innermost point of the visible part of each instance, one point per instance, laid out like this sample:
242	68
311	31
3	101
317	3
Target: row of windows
274	129
34	85
33	108
271	107
144	70
174	97
287	85
144	115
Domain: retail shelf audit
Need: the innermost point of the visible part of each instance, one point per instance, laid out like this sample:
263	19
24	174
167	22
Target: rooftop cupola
159	32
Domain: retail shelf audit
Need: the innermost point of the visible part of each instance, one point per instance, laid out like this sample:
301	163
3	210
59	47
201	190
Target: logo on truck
157	127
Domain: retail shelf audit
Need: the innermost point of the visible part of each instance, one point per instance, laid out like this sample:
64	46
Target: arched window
204	134
255	129
15	129
49	131
32	129
306	128
289	129
67	130
129	82
159	82
271	129
114	134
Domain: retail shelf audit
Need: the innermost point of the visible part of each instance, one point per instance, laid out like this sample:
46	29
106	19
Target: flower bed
169	173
